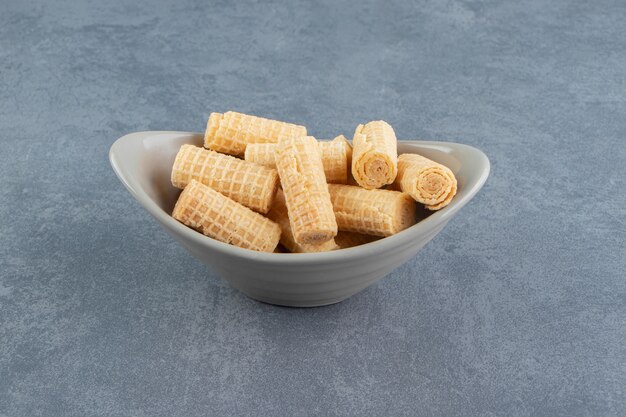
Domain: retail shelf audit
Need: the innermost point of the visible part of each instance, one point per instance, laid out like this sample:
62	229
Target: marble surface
517	308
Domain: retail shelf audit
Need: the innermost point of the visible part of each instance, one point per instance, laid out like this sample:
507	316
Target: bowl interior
143	162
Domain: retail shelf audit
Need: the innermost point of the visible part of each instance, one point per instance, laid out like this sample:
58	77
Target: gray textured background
517	308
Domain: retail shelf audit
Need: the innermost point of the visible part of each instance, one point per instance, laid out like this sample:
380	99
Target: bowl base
293	303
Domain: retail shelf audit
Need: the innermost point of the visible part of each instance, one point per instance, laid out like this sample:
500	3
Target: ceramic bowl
143	160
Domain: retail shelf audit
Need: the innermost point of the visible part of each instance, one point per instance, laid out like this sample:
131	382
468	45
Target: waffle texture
279	214
428	182
344	140
335	157
335	160
371	212
261	153
375	155
252	185
221	218
299	165
351	239
231	132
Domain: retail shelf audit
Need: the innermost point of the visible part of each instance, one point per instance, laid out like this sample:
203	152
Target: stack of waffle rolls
252	185
309	196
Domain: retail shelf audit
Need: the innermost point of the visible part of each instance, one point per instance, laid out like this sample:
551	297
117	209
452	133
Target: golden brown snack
428	182
335	157
279	215
221	218
299	165
374	155
342	139
252	185
231	132
261	153
371	212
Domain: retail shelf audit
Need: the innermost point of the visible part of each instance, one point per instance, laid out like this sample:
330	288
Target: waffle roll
217	216
231	132
374	155
299	165
428	182
279	215
371	212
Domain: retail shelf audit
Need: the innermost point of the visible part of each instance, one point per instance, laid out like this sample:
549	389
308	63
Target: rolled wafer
351	239
221	218
299	165
279	215
252	185
374	155
372	212
261	153
342	139
335	157
231	132
428	182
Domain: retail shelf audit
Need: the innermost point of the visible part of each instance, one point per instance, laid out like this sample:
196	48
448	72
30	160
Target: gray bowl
143	160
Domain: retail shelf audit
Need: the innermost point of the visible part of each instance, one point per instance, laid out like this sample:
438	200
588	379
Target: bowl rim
405	237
